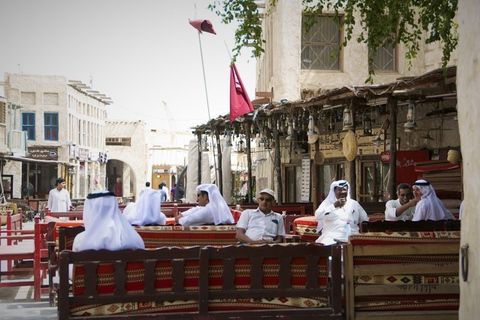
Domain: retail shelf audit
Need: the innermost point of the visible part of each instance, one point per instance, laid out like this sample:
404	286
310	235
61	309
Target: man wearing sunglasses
261	225
211	209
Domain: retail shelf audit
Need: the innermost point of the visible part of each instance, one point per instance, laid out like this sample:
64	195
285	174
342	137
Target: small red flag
240	103
202	25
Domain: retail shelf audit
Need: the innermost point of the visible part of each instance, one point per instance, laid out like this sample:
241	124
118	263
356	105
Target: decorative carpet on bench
434	289
158	236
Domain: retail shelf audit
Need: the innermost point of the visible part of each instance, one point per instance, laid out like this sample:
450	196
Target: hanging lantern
367	126
378	139
229	139
331	124
347	118
410	125
205	144
289	132
311	135
240	145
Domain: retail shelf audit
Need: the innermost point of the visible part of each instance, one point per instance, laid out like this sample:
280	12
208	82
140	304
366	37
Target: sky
141	53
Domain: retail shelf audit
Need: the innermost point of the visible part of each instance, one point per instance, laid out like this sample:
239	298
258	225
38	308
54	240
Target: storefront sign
83	154
305	183
43	153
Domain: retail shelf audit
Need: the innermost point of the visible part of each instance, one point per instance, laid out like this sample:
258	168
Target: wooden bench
71	215
241	282
26	246
404	275
153	236
429	225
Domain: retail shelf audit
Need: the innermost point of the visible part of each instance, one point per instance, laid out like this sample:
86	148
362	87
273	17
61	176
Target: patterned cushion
306	227
379	238
158	236
191	306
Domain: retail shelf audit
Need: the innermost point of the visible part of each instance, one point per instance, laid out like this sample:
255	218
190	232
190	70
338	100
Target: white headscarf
331	198
146	210
430	207
105	226
217	205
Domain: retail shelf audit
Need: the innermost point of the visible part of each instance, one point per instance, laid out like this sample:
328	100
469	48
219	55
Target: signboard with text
43	153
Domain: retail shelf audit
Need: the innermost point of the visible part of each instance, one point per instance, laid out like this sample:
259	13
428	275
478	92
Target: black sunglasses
265	199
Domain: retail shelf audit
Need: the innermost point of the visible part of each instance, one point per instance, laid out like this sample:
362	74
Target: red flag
202	25
240	103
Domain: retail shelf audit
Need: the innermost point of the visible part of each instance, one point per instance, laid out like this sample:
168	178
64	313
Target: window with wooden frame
385	59
321	44
50	126
28	124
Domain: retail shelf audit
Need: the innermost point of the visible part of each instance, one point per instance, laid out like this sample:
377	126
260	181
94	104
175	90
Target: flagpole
204	77
208	108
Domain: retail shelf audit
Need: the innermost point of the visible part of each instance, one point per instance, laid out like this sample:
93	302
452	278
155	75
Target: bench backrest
196	280
160	236
430	225
404	272
72	215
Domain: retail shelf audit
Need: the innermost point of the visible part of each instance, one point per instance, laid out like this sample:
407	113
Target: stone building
301	75
137	155
64	124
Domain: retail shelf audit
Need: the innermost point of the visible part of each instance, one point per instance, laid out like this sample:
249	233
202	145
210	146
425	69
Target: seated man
339	215
429	206
261	225
105	226
211	209
146	211
404	207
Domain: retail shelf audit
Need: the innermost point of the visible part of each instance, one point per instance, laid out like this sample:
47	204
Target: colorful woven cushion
158	236
379	238
306	227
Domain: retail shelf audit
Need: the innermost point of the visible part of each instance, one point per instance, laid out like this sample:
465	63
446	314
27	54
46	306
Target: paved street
18	302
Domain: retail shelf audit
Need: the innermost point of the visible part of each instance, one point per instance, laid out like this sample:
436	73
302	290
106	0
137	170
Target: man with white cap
147	210
338	215
105	226
429	206
261	225
211	209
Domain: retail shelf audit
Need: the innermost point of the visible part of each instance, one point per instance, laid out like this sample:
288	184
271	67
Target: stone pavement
18	302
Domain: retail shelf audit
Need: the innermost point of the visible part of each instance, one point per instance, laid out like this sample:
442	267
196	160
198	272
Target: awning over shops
23	159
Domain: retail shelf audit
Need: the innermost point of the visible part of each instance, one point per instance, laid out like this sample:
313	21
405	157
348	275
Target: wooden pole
220	171
249	161
199	161
392	106
278	165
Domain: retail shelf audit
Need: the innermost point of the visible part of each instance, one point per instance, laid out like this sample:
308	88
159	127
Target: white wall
468	83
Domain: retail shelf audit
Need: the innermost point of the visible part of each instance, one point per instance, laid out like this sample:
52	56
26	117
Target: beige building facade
137	154
63	121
